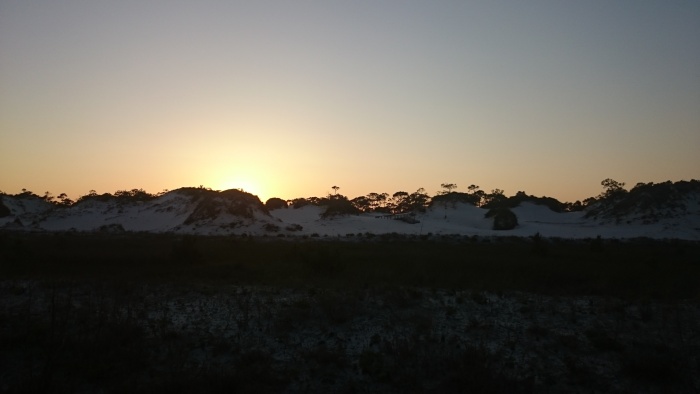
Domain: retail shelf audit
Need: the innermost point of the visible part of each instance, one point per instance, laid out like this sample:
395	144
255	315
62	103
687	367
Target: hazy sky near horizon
288	98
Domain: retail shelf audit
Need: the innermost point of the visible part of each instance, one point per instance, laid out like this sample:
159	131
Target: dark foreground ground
165	313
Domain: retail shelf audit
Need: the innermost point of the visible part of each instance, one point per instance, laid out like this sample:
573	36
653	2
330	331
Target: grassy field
167	313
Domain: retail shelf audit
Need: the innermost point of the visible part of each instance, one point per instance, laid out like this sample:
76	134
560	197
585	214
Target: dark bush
294	227
300	202
503	218
275	203
339	205
271	227
551	203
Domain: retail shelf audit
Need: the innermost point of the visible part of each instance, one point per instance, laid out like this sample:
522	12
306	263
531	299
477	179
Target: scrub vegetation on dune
664	210
615	197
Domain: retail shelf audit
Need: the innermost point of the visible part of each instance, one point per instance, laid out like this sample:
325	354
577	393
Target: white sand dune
173	213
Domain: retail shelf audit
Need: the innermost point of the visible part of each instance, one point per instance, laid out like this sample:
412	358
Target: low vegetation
389	313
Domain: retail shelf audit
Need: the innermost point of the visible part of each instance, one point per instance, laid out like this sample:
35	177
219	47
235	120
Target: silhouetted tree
27	193
335	188
377	202
612	202
478	195
494	199
613	188
315	200
400	202
448	187
64	200
361	203
418	200
445	196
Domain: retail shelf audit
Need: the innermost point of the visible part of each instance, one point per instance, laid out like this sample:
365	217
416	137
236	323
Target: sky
289	98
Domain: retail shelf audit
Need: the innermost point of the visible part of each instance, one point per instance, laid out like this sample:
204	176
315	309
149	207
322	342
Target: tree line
613	197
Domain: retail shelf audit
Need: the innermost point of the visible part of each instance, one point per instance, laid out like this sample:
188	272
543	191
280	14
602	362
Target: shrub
275	203
503	218
294	227
271	227
300	202
339	205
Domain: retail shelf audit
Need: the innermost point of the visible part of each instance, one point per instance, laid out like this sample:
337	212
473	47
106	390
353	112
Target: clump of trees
551	203
474	196
399	202
414	202
448	196
120	195
337	204
648	202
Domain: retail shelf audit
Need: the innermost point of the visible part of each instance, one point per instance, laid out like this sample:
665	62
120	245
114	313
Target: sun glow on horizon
245	183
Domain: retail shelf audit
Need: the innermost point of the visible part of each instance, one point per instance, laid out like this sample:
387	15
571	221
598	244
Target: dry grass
158	313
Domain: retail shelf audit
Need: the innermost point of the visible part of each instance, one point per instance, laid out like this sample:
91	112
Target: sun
241	182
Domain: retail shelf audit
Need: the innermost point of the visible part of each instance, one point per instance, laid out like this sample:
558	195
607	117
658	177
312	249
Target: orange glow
245	182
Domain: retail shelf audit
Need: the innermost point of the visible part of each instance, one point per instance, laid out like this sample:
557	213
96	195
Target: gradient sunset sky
288	98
